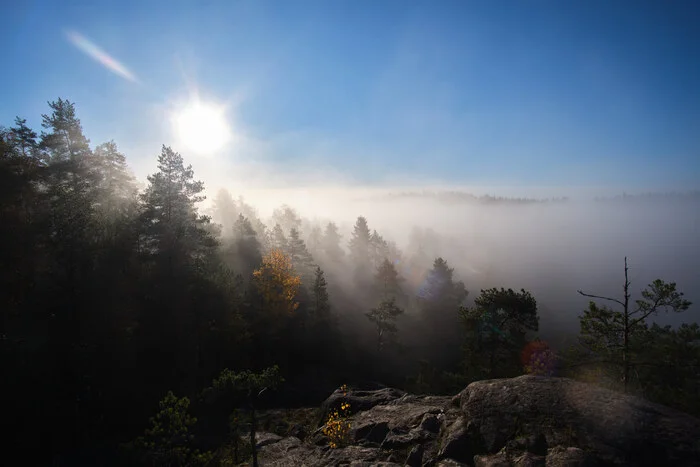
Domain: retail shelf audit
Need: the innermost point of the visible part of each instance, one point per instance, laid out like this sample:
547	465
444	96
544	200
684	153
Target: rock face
524	421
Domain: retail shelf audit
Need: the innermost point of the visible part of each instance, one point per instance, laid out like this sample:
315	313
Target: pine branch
602	298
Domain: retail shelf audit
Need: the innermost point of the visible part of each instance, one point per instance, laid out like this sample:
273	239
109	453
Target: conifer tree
384	319
173	230
439	299
278	241
379	249
320	309
25	139
360	254
225	211
116	193
496	328
287	218
65	139
302	261
388	282
315	240
331	244
246	249
608	333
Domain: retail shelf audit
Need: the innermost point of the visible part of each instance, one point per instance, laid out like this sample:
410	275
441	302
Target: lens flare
99	55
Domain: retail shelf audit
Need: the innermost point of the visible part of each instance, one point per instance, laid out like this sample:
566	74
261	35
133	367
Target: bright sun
202	127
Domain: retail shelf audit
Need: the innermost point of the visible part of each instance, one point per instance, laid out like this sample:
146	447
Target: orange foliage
277	282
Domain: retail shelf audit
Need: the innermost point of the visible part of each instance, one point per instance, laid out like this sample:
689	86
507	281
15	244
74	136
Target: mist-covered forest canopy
117	294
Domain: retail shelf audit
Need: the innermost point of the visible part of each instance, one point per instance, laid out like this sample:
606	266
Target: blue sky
464	92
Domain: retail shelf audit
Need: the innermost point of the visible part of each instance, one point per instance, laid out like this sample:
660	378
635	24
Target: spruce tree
302	261
332	250
379	249
360	243
439	299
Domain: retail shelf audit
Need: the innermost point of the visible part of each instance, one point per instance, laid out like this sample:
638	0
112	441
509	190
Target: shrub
337	427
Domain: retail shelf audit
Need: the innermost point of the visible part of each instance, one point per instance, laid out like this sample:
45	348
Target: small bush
168	441
337	427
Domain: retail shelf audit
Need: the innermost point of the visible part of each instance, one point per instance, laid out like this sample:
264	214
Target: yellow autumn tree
277	282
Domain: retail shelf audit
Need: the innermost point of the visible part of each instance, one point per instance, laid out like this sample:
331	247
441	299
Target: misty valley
144	323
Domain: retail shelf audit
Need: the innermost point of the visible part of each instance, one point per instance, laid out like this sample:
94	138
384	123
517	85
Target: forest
122	304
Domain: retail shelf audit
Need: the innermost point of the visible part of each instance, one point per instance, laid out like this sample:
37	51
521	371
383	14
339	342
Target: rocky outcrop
524	421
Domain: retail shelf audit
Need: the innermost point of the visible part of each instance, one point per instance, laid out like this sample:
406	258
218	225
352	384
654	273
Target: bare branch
602	298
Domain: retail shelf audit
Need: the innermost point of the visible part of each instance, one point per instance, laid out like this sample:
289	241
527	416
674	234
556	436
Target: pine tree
25	139
379	249
315	240
246	249
384	319
360	253
251	214
320	307
439	299
116	188
225	211
608	333
278	241
331	244
496	328
65	140
173	230
287	218
388	282
302	261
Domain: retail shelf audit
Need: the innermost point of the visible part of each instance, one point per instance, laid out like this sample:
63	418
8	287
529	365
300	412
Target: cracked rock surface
523	421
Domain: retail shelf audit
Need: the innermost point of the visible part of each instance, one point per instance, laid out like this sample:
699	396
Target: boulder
527	421
615	428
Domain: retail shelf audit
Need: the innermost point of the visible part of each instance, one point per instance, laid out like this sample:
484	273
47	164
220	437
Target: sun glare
202	127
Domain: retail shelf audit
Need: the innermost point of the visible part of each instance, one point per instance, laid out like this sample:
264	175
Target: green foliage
302	261
438	300
251	386
320	313
245	251
496	328
96	271
379	249
247	383
64	139
384	319
668	365
168	442
612	337
388	282
173	231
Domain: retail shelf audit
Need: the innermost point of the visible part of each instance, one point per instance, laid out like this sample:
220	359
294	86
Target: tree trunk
625	343
252	435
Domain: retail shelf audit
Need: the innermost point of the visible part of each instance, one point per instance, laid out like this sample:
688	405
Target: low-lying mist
550	247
